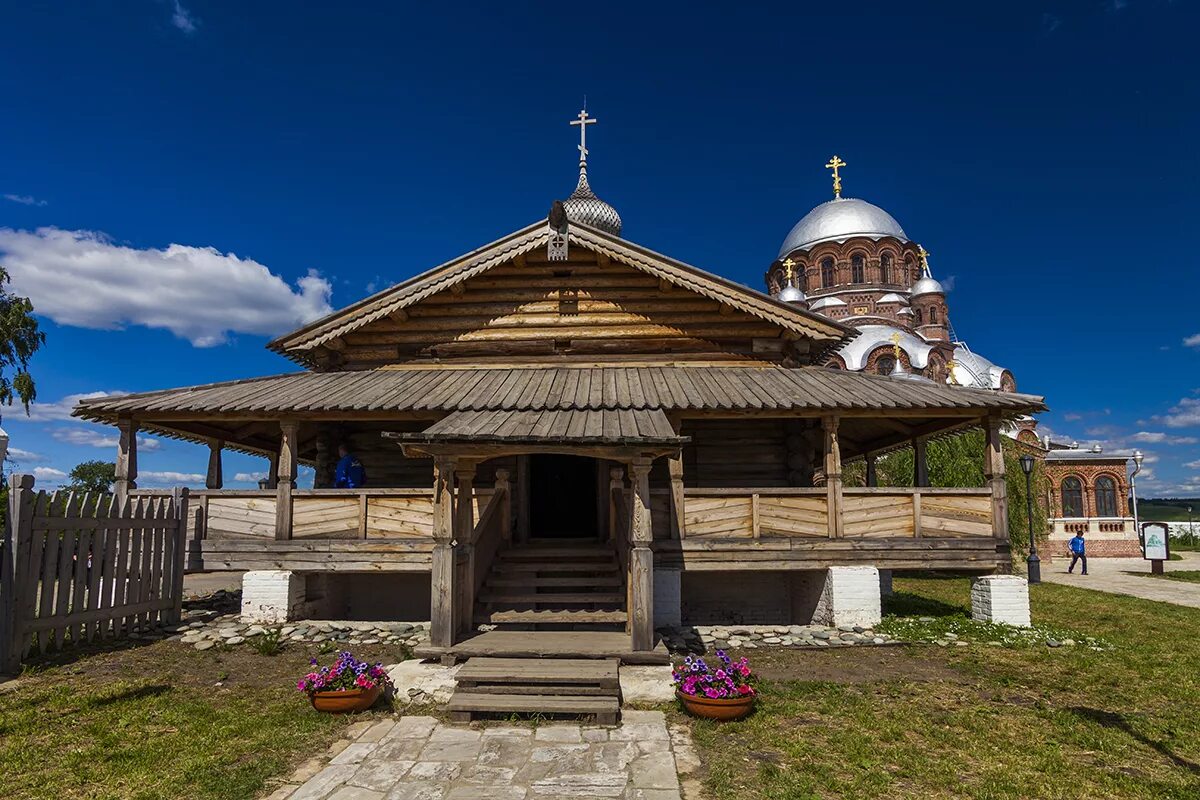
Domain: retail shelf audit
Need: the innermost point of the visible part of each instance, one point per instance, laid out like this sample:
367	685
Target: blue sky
181	180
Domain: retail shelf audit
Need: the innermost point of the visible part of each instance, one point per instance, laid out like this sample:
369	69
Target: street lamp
1033	563
1138	458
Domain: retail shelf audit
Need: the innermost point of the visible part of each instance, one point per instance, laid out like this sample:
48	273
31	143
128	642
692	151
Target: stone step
464	704
550	598
552	617
525	672
561	581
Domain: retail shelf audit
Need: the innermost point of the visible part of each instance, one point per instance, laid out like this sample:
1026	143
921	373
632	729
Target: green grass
1185	575
1168	510
1016	720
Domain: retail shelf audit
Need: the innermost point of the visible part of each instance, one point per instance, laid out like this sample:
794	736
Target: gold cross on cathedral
583	121
895	337
924	254
789	270
834	164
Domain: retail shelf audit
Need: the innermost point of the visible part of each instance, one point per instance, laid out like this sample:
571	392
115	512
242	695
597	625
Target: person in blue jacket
1078	552
349	473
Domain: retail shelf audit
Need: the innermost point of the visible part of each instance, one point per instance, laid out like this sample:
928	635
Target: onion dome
926	283
584	206
838	220
792	294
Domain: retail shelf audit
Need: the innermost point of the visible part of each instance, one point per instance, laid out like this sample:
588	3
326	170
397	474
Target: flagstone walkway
420	758
1130	576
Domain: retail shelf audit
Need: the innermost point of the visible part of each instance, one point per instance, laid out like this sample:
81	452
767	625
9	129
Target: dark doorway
562	497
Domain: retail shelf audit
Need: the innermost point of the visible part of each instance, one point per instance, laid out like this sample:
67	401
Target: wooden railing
885	513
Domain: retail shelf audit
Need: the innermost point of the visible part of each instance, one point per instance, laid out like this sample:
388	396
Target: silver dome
926	284
839	220
583	206
791	294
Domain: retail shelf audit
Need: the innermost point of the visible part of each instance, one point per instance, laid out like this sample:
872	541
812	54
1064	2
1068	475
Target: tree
19	340
93	476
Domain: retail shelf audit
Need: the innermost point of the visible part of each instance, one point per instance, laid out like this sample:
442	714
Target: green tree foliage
93	476
958	461
19	340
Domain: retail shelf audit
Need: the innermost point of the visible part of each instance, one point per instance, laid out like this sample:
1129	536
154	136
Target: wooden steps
569	581
552	617
550	598
540	566
559	686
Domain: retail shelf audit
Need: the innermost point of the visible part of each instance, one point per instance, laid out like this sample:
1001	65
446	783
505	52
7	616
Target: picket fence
78	567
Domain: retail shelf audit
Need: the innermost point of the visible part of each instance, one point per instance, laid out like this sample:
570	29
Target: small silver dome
839	220
583	206
791	294
927	285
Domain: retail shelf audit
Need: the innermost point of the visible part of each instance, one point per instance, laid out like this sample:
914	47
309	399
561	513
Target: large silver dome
839	220
583	206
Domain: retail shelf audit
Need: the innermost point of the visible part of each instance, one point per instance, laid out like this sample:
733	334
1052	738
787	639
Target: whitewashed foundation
850	596
668	598
272	595
1001	598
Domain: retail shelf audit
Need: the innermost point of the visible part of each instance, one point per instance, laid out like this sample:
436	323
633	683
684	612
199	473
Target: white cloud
17	454
1158	437
1185	414
83	278
25	199
1193	464
181	18
169	478
57	411
249	477
98	437
1193	340
48	473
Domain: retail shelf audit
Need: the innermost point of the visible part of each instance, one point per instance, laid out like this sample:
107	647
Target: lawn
161	721
977	721
1185	575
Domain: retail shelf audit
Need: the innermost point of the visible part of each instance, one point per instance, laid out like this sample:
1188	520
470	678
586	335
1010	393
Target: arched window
1072	498
885	268
885	364
933	315
917	315
1106	497
826	272
858	269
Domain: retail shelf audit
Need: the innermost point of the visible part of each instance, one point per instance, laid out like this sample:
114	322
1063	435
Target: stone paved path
420	758
1112	575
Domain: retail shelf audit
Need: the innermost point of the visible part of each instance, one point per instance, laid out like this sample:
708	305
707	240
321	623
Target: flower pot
345	701
720	708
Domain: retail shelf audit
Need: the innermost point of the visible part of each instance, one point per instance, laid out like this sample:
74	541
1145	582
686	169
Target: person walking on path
1078	552
349	473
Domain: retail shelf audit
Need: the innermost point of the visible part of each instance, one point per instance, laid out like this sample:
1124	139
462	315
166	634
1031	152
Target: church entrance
563	497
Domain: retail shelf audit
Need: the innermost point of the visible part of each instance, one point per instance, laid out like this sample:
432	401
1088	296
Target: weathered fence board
74	567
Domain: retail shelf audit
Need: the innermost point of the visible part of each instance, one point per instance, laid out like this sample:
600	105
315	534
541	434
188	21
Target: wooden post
506	509
920	463
523	498
18	536
214	479
180	498
326	460
125	474
286	475
641	557
993	470
872	477
675	468
833	476
273	470
616	482
464	534
441	602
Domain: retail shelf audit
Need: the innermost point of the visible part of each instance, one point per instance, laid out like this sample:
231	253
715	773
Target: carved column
506	507
214	479
464	534
675	468
125	474
616	482
920	463
993	471
285	478
641	557
833	476
326	460
441	602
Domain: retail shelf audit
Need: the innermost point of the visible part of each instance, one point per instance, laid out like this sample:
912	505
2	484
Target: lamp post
1033	563
1138	458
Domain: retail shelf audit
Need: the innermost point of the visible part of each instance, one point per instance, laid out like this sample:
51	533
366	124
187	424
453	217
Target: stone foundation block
1001	598
668	598
272	595
850	596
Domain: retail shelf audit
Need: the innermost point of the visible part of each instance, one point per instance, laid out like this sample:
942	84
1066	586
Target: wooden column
641	557
15	586
872	477
326	461
214	479
125	474
616	482
833	476
523	498
675	468
441	602
285	478
464	534
273	469
993	471
920	463
504	488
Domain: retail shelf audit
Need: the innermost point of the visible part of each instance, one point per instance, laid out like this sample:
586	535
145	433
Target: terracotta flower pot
346	701
720	708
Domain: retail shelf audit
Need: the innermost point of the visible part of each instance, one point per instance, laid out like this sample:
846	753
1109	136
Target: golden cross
895	337
789	270
833	164
924	254
950	365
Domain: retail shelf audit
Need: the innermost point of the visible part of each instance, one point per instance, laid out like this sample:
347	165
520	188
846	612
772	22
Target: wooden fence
75	567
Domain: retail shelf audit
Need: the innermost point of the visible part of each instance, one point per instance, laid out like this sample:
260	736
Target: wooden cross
583	121
834	164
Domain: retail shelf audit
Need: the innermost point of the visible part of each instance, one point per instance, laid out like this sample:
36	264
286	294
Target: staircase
554	585
550	686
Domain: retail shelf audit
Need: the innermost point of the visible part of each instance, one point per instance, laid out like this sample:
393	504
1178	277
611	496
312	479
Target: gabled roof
299	344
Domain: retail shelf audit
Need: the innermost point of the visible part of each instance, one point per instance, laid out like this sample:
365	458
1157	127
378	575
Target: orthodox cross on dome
789	270
924	255
583	121
834	164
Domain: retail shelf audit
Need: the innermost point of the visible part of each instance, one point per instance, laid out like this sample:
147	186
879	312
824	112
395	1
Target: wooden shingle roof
571	426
